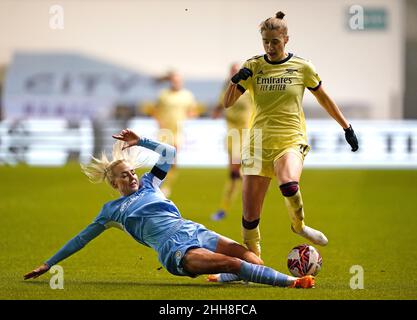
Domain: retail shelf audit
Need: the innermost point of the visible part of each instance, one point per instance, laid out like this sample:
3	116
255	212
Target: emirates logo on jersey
273	83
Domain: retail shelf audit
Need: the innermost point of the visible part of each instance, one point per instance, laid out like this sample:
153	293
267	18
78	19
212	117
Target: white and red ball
304	260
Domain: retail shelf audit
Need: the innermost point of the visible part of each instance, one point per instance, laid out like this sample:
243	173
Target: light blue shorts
190	235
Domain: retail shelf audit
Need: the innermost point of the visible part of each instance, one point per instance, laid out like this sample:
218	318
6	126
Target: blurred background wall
76	61
364	70
410	94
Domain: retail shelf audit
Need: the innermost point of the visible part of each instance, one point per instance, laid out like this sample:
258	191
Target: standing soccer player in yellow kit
237	118
175	104
276	81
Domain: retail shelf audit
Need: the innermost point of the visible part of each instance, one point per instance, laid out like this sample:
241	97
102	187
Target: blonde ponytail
101	169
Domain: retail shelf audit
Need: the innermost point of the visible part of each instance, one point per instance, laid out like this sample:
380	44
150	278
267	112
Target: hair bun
280	15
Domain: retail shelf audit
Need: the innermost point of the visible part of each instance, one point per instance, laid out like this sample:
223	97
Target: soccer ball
304	260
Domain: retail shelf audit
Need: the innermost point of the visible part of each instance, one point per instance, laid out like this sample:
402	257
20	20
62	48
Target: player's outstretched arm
330	106
333	110
166	152
128	136
71	247
37	272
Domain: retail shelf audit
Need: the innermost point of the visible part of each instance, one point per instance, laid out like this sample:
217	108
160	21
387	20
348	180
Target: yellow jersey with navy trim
172	108
277	89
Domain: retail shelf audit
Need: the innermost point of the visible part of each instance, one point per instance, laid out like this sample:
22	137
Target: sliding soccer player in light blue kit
185	248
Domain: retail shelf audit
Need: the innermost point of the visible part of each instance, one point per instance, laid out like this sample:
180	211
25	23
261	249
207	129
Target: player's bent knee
250	257
289	189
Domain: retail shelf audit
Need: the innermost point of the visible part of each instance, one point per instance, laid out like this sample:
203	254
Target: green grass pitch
369	216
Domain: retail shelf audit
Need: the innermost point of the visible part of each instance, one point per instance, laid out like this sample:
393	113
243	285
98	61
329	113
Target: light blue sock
261	274
228	277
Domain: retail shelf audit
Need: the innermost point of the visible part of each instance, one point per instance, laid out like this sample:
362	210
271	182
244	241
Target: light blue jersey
149	217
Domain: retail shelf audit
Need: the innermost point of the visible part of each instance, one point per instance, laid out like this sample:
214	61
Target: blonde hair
101	169
275	23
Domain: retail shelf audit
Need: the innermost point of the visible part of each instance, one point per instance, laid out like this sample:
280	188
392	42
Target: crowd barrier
54	142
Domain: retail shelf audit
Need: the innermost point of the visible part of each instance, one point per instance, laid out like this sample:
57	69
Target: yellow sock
295	211
252	238
225	203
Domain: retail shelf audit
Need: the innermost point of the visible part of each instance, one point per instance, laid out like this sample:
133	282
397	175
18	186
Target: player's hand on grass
37	272
128	136
351	138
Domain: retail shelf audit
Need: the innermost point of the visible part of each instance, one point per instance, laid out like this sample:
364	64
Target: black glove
243	74
351	138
